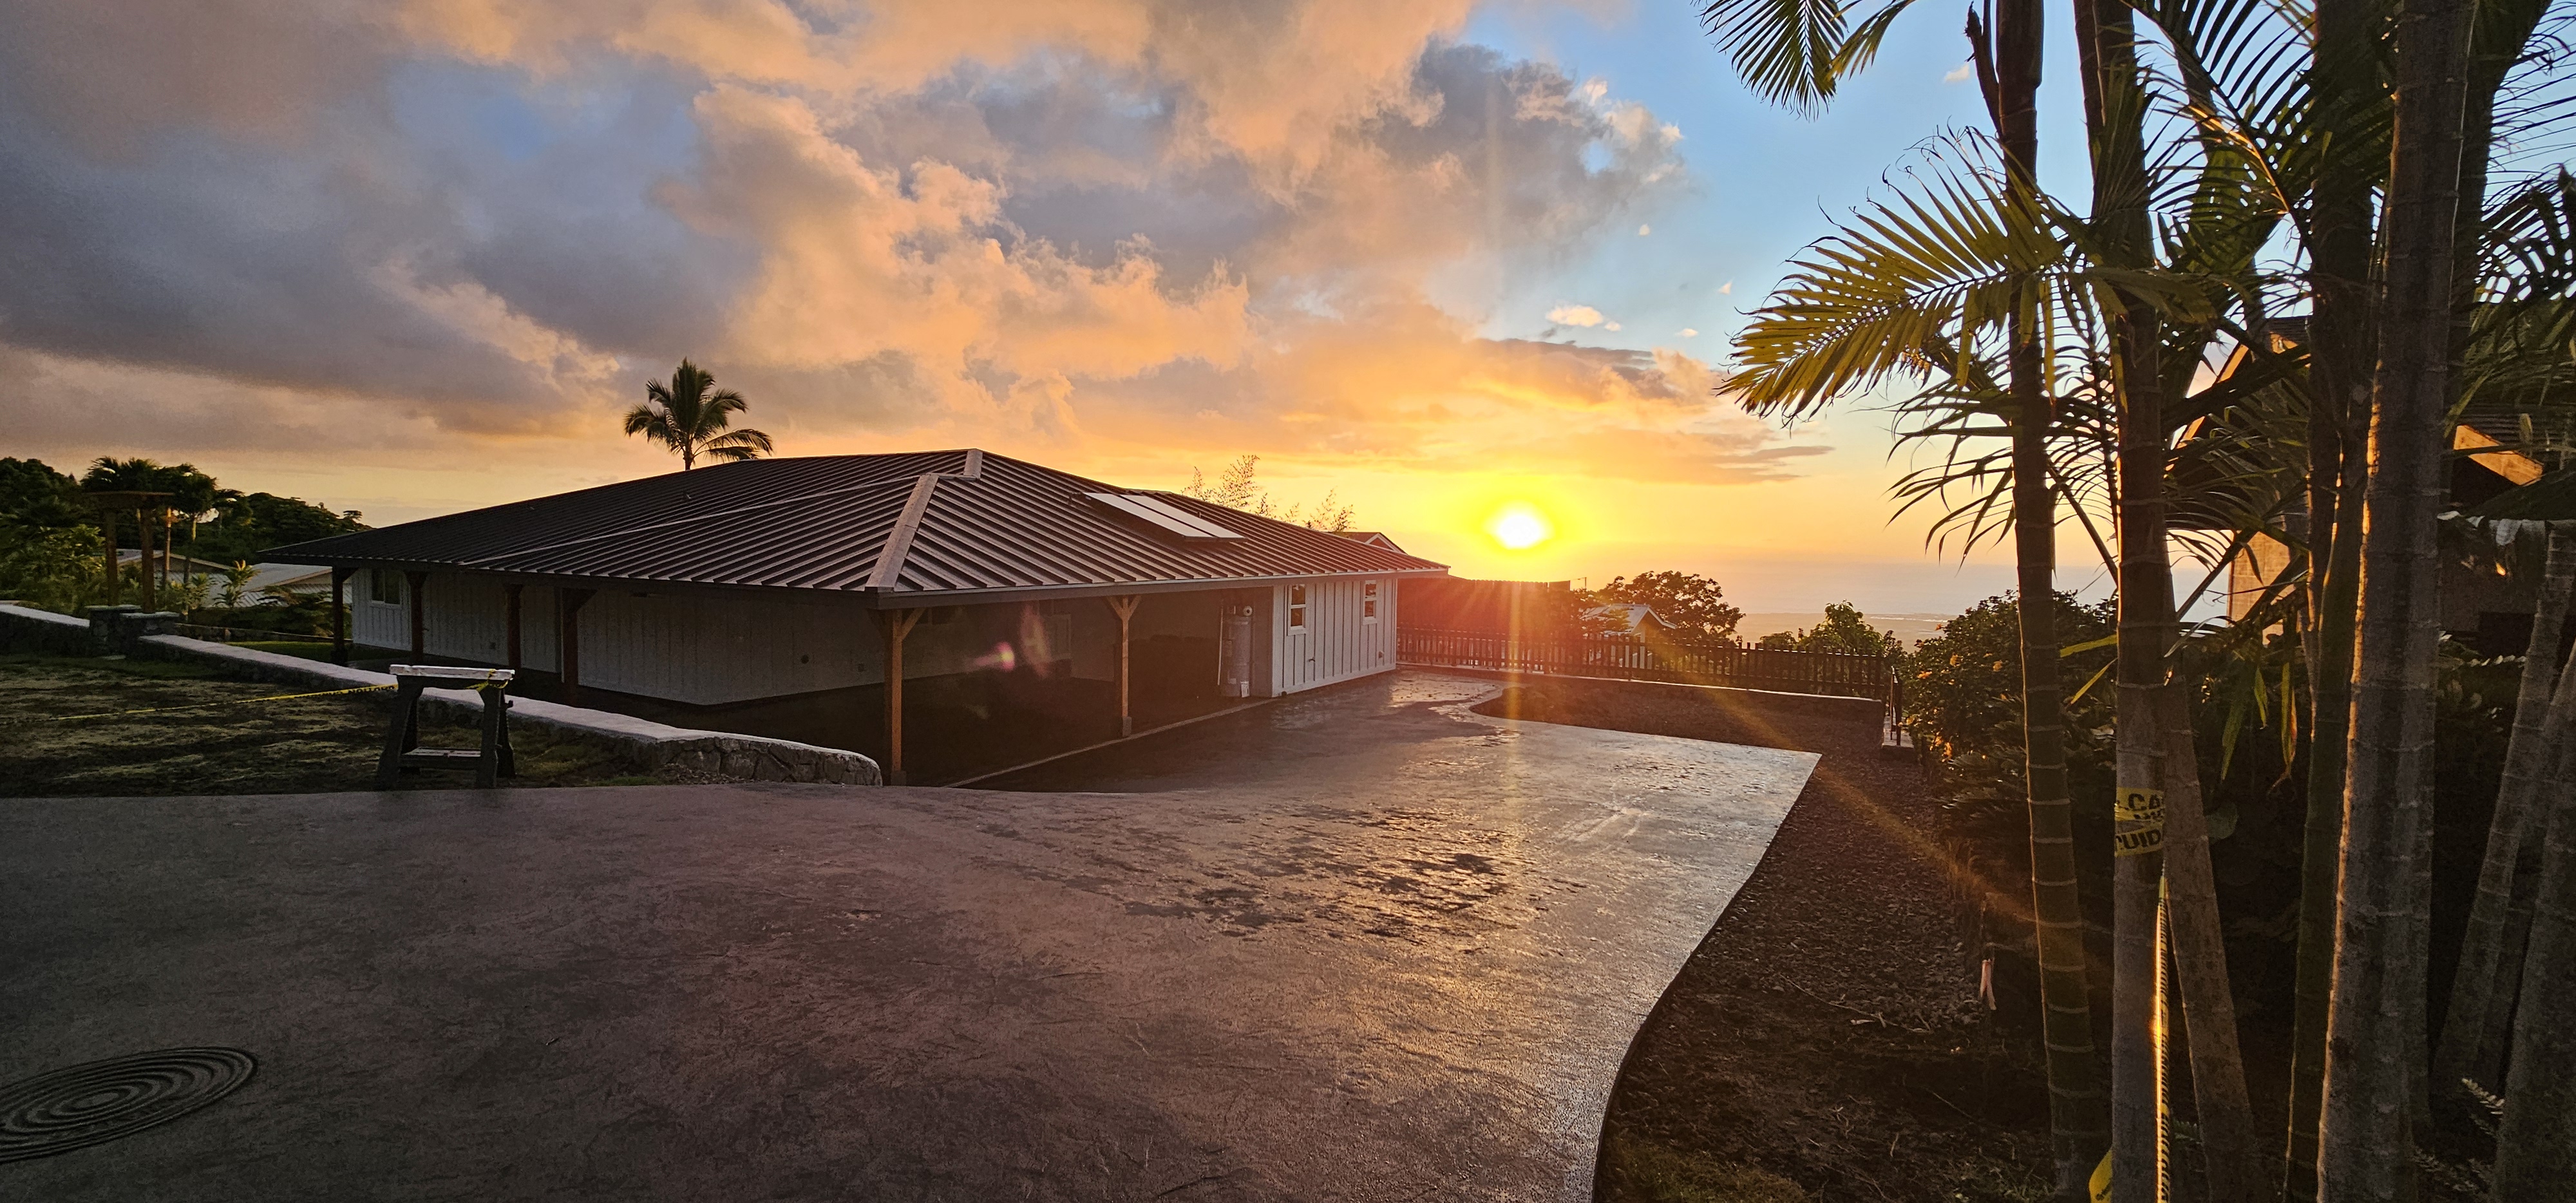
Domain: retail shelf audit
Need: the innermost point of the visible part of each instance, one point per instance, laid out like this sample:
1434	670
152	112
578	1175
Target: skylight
1164	514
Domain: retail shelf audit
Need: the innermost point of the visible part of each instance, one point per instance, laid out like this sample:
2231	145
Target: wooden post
340	615
143	558
512	624
169	523
1125	609
898	623
415	584
115	579
403	734
569	640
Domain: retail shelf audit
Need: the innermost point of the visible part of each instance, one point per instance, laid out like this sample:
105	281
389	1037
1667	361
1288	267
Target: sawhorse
493	761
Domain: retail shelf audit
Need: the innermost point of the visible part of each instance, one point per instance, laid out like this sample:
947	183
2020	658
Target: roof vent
1148	508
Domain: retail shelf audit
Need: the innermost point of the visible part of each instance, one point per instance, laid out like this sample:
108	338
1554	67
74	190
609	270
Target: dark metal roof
933	522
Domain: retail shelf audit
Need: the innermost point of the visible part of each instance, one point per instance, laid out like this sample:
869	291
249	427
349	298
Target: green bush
1844	632
54	569
1963	693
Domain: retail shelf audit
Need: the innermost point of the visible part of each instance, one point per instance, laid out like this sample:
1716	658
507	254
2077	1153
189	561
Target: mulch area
1828	1040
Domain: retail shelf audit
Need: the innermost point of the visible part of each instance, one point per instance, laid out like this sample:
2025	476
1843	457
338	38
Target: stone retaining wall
637	743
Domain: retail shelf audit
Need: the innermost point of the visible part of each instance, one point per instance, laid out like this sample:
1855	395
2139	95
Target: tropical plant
693	419
236	579
1692	603
186	597
2271	120
1797	53
56	570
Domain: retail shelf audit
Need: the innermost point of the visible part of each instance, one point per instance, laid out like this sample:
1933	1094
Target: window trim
1296	607
1368	601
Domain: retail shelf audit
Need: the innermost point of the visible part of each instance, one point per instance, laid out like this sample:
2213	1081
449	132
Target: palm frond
1791	52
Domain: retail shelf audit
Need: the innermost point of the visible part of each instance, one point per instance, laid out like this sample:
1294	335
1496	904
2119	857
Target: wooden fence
1652	658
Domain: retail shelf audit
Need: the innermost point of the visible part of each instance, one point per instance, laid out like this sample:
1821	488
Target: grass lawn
66	729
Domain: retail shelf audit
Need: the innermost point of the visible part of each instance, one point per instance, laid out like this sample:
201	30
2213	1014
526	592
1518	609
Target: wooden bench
493	761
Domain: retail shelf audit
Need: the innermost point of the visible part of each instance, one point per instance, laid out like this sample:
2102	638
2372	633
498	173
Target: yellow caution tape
282	697
2140	815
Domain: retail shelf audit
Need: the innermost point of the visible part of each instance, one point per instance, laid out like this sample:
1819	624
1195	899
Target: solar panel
1162	514
1160	506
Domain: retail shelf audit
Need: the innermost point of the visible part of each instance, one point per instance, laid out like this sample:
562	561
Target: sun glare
1519	526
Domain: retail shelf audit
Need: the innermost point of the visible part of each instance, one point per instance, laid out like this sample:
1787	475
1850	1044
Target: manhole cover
98	1102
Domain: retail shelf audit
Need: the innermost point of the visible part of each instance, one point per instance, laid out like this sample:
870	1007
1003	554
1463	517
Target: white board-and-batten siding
1339	641
715	648
702	649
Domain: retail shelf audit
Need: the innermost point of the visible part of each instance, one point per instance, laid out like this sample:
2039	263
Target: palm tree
685	417
2375	1027
1796	54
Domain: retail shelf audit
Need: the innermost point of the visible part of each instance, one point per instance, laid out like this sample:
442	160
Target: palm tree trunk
2155	749
2199	950
2076	1113
2473	1029
2536	1148
2344	83
2376	1018
2137	1053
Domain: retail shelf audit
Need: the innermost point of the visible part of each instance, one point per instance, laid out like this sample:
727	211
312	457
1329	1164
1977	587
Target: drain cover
103	1100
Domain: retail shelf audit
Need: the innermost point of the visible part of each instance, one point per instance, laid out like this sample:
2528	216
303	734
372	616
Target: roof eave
888	599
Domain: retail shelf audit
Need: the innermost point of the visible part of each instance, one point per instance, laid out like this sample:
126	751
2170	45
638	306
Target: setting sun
1520	526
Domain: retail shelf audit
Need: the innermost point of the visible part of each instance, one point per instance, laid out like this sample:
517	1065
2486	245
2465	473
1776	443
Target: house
965	610
1636	618
303	580
310	580
2480	606
173	567
1374	538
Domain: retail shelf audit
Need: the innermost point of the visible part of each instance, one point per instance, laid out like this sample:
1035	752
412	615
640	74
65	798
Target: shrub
1963	692
55	569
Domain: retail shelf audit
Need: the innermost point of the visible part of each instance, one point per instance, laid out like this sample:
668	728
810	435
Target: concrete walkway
1361	945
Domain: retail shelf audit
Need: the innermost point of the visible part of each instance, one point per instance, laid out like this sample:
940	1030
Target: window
1296	607
385	585
1368	601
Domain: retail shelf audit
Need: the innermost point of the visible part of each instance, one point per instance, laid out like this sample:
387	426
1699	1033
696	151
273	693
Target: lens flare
1519	526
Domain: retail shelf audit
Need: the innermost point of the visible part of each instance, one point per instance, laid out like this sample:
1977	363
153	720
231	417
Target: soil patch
1828	1039
68	729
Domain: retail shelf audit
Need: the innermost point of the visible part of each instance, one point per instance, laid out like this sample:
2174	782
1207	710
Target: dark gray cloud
502	231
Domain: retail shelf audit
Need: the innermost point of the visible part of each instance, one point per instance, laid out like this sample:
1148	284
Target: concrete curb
646	746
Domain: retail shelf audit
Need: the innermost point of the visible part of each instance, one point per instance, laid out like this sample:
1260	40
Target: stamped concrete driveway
1362	944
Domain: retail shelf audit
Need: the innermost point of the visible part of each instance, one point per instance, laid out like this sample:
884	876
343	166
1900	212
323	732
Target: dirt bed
1827	1041
68	728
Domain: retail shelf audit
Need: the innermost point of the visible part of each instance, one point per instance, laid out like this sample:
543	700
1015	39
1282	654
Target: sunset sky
1440	257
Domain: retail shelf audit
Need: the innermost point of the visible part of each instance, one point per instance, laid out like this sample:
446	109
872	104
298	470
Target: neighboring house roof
2491	437
1374	538
294	576
291	576
1637	615
178	563
889	527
